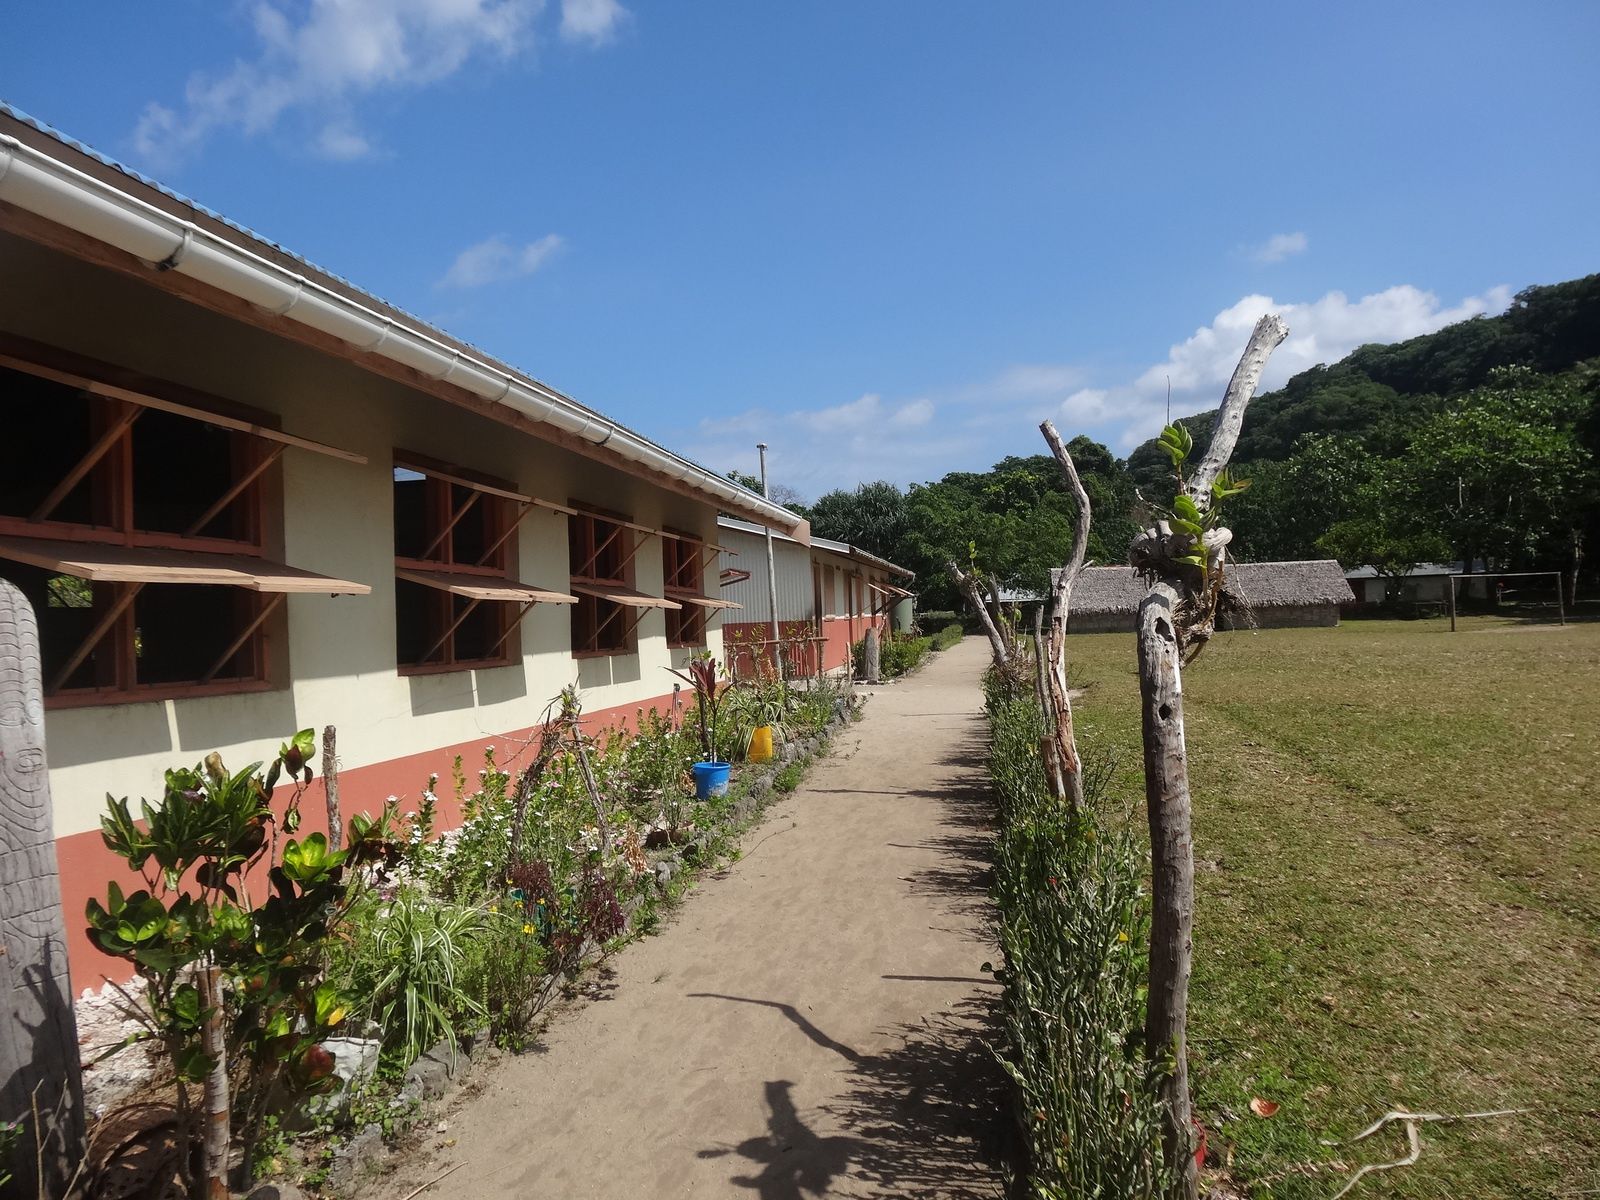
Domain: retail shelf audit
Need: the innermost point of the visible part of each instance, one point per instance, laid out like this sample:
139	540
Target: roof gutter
49	188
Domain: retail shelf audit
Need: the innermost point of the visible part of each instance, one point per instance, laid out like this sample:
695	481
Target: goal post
1561	609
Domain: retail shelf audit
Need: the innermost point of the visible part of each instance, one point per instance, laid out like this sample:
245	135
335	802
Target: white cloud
1320	331
1279	247
912	416
496	259
1027	380
592	21
322	57
818	449
971	426
341	143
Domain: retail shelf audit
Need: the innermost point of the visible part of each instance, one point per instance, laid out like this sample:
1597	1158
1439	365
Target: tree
1291	504
1502	475
873	517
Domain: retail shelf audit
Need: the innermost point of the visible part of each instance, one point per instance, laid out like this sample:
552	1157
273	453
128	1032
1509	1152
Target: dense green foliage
236	987
898	653
1073	926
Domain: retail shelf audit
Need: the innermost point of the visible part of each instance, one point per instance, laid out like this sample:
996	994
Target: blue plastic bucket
710	779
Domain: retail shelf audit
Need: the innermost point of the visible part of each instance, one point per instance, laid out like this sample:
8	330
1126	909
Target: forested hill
1479	441
1378	393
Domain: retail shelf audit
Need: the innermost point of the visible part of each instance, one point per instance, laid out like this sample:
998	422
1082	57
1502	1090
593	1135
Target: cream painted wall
337	521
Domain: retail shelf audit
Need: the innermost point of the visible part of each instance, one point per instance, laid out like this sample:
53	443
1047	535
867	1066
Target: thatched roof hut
1265	595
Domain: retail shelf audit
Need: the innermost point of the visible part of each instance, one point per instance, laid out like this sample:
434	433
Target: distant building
829	594
1421	583
1271	595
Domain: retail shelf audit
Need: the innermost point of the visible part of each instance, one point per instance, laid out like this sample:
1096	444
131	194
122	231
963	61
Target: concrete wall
340	651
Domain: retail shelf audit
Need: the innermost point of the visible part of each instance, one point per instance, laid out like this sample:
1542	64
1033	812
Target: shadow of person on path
929	1118
795	1161
924	1119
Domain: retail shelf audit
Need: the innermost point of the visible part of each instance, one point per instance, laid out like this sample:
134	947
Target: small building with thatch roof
1269	595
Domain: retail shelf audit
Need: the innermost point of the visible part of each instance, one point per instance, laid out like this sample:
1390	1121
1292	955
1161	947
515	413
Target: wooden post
1161	639
1166	786
1450	582
1561	609
218	1125
39	1065
330	784
1066	772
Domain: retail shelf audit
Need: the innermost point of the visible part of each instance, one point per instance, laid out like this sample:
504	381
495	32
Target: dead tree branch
1267	336
330	785
1178	608
1064	766
1413	1136
969	586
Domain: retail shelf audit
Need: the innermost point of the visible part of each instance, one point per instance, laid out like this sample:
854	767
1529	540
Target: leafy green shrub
948	636
898	654
788	779
1073	930
413	971
236	993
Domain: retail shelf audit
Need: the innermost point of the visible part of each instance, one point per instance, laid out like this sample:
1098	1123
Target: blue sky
886	237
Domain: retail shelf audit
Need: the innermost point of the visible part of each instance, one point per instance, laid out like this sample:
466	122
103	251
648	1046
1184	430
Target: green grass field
1397	839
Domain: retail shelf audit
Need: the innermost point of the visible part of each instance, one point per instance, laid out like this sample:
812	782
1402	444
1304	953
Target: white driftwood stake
1166	790
1162	635
969	588
1065	769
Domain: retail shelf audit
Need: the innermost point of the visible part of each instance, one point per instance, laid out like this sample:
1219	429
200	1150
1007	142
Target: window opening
106	470
454	562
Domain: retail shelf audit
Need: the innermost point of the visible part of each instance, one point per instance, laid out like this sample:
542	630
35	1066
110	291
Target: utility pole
772	574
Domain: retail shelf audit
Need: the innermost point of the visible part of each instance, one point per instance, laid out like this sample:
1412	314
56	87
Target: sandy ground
812	1023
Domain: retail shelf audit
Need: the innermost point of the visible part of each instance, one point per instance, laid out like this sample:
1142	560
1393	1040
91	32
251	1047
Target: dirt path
812	1023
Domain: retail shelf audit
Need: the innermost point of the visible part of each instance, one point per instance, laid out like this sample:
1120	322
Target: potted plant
711	774
767	710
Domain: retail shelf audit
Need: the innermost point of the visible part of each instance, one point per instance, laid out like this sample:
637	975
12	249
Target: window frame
685	577
581	522
107	469
446	613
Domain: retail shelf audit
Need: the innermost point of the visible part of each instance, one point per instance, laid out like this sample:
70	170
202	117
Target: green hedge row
1073	914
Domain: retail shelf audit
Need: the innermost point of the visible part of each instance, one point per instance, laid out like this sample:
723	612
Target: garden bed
443	946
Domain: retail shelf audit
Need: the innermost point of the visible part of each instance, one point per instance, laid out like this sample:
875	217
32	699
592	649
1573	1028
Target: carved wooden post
39	1064
1166	790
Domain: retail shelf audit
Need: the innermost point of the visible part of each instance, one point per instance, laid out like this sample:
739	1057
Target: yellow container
761	744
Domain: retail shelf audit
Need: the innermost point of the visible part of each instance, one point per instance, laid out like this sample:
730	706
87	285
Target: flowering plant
709	688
